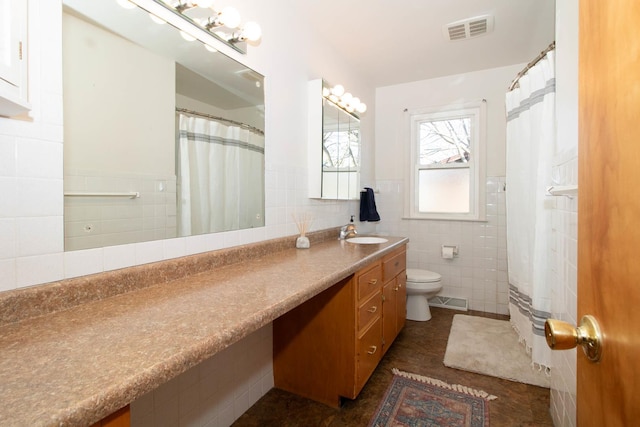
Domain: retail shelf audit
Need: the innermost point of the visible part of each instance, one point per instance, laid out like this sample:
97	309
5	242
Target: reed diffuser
303	222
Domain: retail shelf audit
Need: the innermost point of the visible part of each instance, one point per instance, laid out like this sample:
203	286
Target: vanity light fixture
344	100
202	13
224	25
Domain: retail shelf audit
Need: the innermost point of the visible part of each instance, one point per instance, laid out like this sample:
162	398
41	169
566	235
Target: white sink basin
366	240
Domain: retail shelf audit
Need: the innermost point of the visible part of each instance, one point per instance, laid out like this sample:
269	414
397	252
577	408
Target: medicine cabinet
13	58
334	148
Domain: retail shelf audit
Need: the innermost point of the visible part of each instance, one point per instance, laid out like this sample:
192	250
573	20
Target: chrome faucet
348	230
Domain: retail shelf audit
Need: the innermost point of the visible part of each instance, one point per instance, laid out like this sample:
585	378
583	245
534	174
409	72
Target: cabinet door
389	313
401	301
369	354
13	57
11	15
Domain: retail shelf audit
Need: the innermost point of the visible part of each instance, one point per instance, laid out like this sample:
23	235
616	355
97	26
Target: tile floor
419	349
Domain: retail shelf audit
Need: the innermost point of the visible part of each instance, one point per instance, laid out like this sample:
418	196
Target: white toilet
421	285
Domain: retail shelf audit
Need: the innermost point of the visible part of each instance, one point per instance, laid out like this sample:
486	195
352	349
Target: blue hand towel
368	211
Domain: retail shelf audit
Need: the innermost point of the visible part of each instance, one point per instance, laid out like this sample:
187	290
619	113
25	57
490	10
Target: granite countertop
78	365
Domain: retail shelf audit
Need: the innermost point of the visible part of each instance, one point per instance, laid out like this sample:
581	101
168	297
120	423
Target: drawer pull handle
397	263
373	281
373	309
396	288
372	349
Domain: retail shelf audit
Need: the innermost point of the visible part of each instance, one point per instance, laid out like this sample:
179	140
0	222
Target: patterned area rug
414	400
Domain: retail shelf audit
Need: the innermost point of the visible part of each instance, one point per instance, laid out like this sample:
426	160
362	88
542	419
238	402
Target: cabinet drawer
393	265
369	310
369	353
369	282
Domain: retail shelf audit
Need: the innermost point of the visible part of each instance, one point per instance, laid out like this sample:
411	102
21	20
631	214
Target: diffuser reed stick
303	222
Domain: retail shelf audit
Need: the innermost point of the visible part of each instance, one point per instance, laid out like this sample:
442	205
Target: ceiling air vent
468	28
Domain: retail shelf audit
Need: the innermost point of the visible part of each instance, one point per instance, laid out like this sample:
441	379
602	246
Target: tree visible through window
446	157
341	149
445	141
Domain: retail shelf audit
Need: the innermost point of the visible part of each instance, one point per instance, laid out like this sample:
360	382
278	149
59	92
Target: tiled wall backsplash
91	222
564	261
215	392
479	272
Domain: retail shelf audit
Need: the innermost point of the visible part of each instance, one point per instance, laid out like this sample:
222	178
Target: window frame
477	111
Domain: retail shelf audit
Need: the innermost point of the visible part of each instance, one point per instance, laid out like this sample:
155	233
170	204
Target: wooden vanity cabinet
394	295
328	347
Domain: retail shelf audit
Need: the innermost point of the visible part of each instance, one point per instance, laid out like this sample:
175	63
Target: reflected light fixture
344	100
225	24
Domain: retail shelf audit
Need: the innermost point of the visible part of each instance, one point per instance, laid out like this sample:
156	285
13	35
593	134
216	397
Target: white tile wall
92	222
31	206
215	392
565	215
564	274
479	272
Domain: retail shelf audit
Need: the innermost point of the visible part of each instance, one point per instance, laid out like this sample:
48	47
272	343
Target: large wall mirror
334	148
162	137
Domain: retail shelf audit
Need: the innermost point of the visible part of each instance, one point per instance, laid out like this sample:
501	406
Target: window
447	163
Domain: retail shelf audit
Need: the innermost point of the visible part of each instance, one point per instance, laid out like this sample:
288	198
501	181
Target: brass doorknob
563	336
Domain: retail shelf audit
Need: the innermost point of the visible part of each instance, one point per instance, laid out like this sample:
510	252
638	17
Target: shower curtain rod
537	59
222	119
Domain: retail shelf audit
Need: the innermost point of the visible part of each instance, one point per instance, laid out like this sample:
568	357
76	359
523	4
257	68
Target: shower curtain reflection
220	176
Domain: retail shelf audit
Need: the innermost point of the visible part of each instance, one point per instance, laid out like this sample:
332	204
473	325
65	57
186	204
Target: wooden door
608	392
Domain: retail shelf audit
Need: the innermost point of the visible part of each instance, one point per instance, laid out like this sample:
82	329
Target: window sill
443	218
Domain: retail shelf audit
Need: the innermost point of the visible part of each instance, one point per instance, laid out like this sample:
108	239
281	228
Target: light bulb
337	90
355	101
203	3
349	108
187	37
333	98
229	17
326	92
347	97
210	49
362	107
126	4
252	31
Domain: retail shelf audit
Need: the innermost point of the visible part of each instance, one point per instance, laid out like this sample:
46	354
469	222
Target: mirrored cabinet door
334	148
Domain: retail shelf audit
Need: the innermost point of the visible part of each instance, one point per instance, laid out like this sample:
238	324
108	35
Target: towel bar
130	194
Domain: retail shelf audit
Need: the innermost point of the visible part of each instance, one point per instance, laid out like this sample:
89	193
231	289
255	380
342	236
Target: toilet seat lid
422	276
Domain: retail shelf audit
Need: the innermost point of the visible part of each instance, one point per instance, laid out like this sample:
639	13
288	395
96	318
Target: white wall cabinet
334	148
13	57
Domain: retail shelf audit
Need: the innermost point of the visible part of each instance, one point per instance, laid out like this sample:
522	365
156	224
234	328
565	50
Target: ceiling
392	42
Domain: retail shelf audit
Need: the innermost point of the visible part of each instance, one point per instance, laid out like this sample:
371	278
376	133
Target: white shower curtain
530	148
220	176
